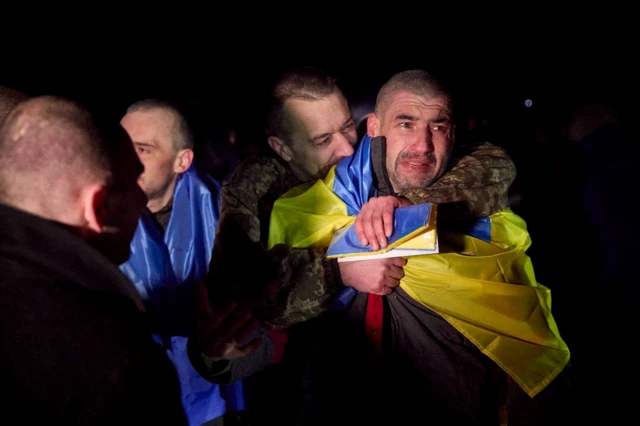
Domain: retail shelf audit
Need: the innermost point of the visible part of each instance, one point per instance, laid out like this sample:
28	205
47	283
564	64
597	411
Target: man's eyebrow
408	117
320	136
437	120
346	123
146	144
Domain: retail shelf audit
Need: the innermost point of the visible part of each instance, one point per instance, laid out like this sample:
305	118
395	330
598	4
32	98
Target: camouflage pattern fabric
290	286
475	185
284	286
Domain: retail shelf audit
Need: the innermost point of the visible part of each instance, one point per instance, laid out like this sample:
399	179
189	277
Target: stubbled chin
410	178
325	170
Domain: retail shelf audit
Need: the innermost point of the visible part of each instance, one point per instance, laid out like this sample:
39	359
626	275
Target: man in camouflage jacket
292	286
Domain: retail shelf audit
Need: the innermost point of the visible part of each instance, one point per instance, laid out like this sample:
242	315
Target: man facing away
77	347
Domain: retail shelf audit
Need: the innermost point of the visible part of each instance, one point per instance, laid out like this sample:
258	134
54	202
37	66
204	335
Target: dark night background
493	65
223	74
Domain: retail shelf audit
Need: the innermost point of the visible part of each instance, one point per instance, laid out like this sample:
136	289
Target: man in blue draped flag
468	336
170	255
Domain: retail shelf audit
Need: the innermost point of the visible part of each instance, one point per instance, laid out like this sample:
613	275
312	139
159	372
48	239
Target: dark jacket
426	371
76	347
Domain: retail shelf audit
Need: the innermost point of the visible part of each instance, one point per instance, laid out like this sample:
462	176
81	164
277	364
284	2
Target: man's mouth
416	164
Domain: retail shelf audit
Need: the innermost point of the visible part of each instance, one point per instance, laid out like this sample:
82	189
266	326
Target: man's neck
158	203
163	216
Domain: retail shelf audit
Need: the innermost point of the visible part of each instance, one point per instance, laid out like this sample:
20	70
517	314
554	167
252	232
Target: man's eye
349	127
439	128
324	142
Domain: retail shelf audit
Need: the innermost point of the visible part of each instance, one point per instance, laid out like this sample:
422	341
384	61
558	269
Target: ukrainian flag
482	282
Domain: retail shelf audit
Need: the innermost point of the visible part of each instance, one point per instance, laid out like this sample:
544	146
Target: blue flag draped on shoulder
165	269
485	288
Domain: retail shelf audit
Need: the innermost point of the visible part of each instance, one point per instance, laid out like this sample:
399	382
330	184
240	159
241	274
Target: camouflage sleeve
476	184
283	286
305	285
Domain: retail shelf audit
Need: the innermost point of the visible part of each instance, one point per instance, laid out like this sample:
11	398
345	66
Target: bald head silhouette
60	162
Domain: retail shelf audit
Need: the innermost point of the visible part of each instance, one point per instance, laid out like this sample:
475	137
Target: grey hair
418	82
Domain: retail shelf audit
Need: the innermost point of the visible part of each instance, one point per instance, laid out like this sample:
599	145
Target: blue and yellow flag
485	287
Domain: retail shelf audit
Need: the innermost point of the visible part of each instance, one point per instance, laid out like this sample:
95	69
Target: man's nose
345	148
423	142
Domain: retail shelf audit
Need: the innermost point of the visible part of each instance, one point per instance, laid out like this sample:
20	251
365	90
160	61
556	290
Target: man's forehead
406	103
316	117
149	126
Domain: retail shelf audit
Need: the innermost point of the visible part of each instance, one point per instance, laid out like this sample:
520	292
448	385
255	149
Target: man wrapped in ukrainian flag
468	337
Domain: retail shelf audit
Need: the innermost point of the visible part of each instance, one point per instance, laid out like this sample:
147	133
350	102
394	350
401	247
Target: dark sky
230	70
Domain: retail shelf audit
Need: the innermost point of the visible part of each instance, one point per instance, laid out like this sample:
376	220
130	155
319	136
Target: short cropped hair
183	136
305	83
418	82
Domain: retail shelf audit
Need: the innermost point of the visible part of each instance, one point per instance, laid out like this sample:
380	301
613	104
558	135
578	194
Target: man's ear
373	125
279	147
183	160
94	208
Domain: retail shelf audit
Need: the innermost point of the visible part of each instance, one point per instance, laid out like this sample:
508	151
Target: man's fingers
231	350
220	340
221	329
384	291
215	319
230	325
395	273
250	347
380	229
367	220
399	261
374	224
245	330
391	283
362	236
387	218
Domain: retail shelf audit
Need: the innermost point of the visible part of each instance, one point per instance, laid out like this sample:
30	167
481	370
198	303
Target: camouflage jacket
283	286
475	184
290	286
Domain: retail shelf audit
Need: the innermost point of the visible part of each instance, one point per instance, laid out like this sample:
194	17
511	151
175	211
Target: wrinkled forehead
405	103
314	117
